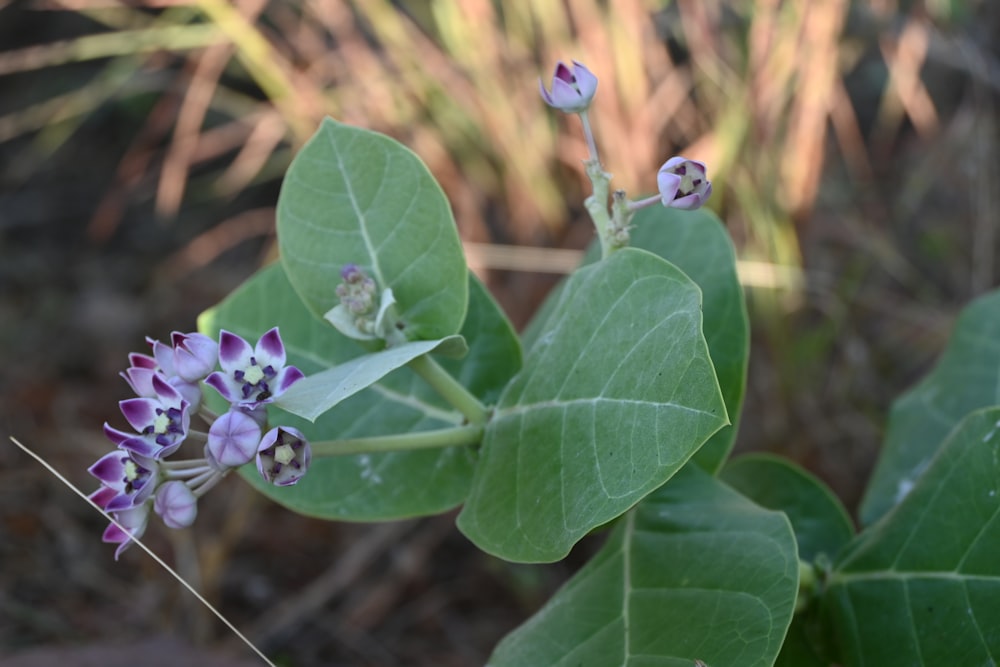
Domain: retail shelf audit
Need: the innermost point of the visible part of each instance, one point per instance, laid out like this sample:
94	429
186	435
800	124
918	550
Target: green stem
455	436
450	389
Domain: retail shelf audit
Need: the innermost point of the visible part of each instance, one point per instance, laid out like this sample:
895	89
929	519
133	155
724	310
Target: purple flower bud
130	479
572	88
683	183
195	355
162	421
283	456
233	438
252	376
176	504
357	292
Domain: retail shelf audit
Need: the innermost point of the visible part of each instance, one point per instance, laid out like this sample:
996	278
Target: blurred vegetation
853	146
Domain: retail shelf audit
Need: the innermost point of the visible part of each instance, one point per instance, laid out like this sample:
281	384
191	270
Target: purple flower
572	88
683	183
127	479
176	504
143	367
233	438
161	420
252	376
134	521
194	355
283	456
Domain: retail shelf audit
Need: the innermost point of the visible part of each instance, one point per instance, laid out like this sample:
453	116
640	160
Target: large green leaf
966	378
922	586
822	528
698	244
616	395
355	196
695	571
821	524
377	486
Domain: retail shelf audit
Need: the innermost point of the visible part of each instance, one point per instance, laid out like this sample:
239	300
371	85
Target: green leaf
695	571
822	528
317	393
821	523
921	586
966	378
616	395
355	196
377	486
697	243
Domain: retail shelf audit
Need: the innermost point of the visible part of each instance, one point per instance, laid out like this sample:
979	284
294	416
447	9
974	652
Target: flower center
284	454
135	476
253	374
161	423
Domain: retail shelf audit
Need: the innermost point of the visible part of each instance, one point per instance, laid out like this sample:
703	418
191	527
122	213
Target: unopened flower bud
683	183
233	438
572	88
195	355
176	504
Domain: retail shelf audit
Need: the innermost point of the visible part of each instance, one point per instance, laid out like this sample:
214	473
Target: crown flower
683	183
252	376
572	88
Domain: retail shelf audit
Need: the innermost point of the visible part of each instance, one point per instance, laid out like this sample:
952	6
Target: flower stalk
455	436
450	389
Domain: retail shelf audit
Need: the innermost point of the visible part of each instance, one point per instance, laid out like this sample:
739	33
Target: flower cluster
137	479
362	313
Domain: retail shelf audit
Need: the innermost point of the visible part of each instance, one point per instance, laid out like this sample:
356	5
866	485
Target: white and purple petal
234	352
270	351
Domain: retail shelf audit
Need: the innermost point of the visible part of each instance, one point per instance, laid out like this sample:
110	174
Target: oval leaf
966	378
379	486
698	244
695	571
356	196
920	587
616	395
821	523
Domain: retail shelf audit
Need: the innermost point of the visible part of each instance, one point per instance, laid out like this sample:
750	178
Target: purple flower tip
683	183
572	88
283	456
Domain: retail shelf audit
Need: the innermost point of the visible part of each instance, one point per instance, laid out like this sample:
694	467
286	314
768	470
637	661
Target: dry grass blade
91	47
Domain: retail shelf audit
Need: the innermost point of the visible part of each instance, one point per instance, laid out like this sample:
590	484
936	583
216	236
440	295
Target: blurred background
853	150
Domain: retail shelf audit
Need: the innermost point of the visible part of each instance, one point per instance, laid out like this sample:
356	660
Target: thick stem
456	436
450	389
